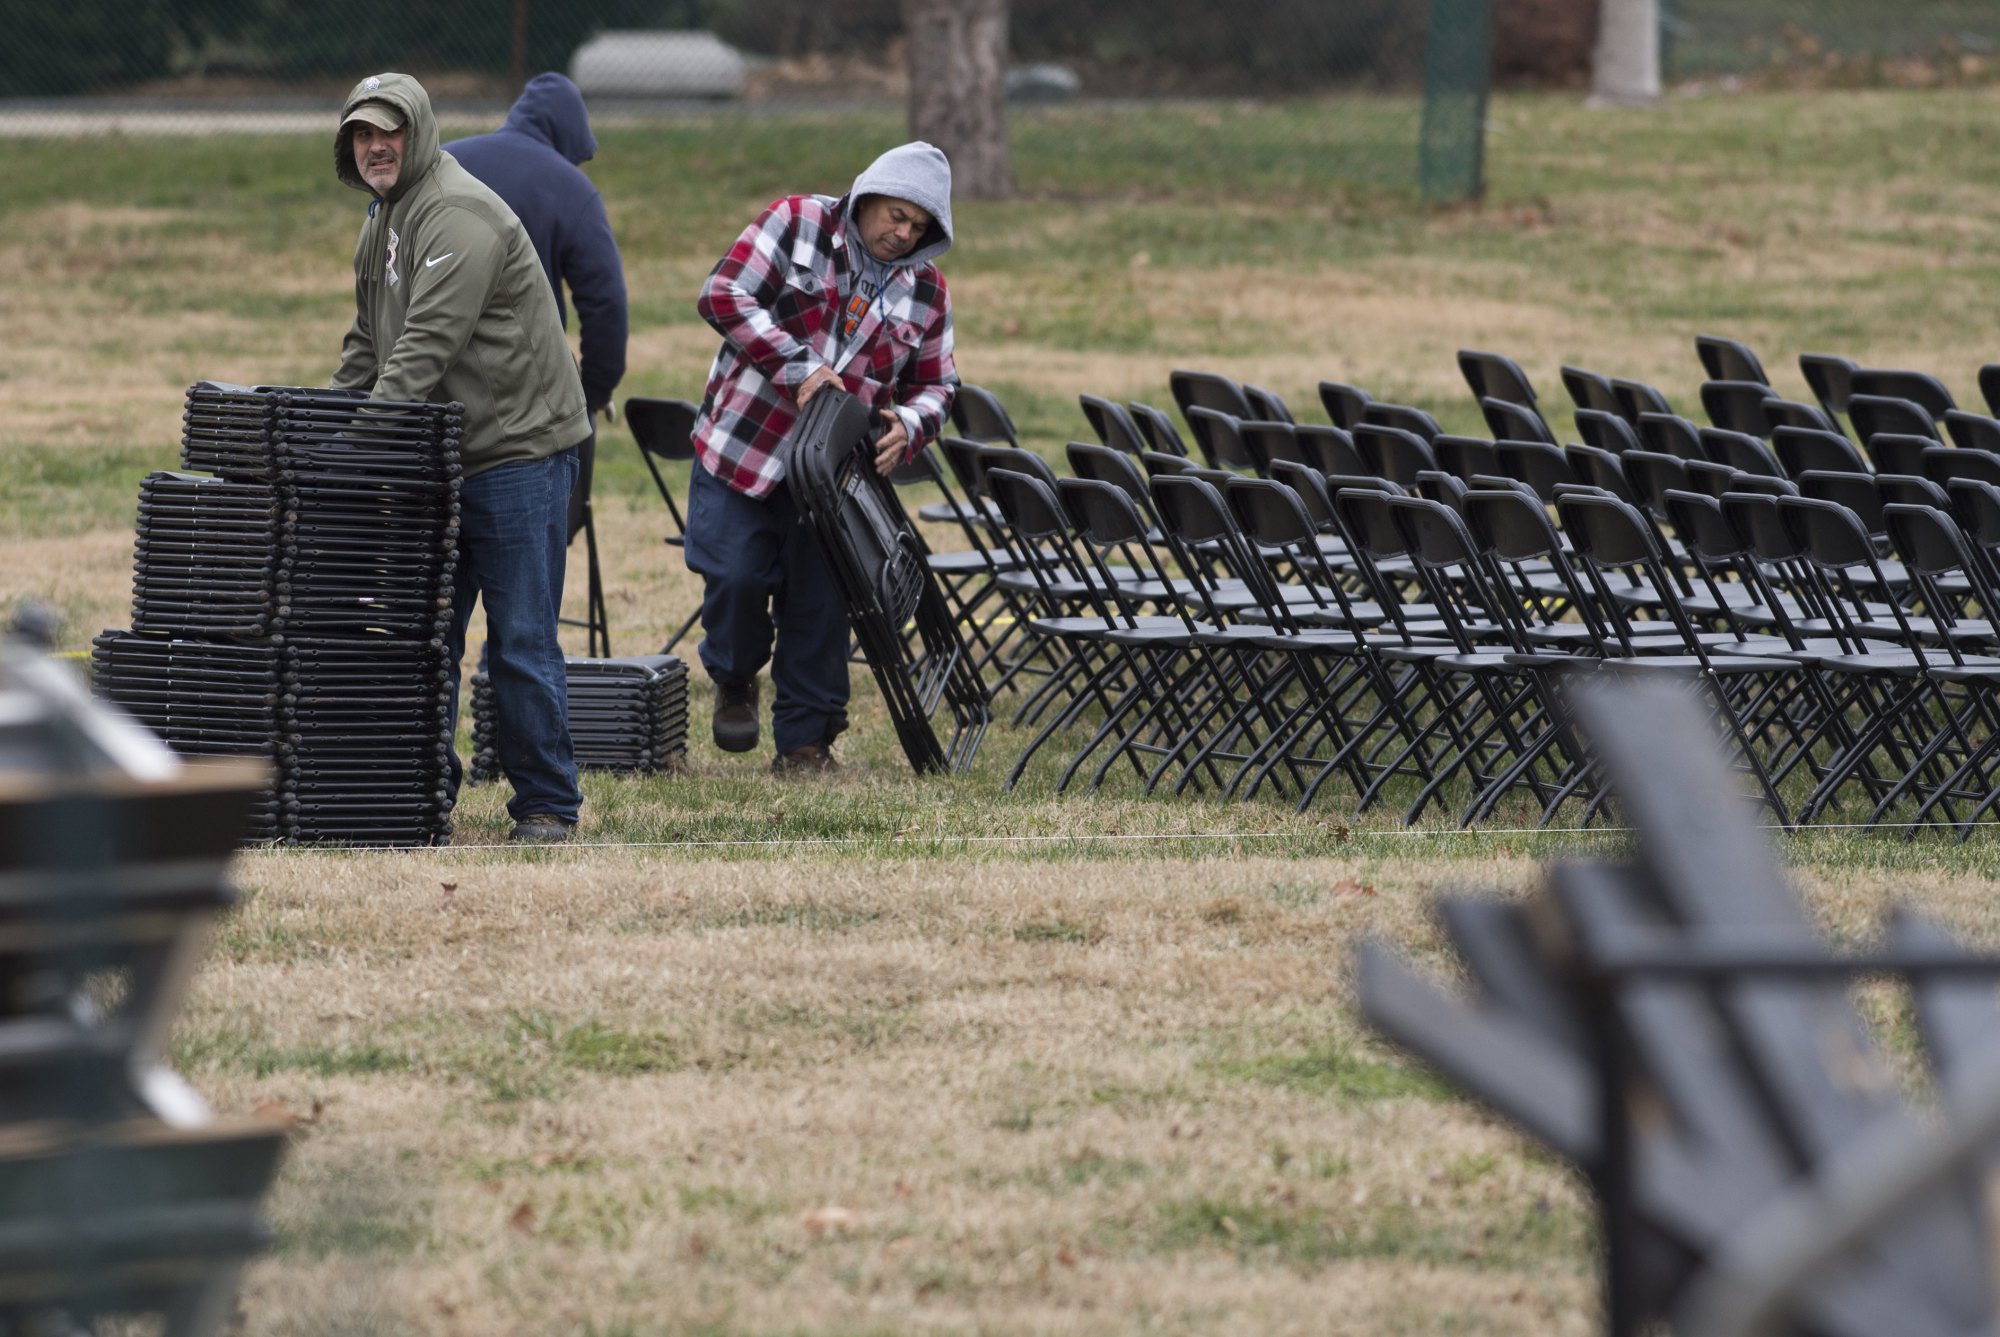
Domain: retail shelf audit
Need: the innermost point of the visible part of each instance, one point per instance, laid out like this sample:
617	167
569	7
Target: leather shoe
541	828
812	759
735	724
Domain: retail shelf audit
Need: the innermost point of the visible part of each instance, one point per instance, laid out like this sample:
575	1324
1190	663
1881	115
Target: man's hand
894	445
821	378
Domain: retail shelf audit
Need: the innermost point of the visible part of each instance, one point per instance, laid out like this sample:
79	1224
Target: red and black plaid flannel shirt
775	299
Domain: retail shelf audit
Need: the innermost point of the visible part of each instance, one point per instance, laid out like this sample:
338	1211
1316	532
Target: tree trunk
958	95
1625	70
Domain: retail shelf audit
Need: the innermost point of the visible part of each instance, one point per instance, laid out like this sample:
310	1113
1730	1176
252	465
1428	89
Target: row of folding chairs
1439	663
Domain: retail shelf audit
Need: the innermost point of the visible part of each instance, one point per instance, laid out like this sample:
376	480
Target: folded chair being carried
877	559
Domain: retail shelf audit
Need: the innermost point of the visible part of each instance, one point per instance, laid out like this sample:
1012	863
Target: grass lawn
886	1056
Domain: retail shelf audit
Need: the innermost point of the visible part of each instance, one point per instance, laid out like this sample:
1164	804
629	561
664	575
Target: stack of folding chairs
1377	603
628	715
1675	1027
295	605
937	702
121	1198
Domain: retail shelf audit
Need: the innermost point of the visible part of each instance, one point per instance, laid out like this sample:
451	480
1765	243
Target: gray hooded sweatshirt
450	300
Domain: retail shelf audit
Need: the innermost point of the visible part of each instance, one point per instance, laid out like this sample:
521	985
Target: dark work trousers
768	598
511	541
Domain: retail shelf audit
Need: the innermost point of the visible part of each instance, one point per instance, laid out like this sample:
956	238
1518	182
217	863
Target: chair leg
600	620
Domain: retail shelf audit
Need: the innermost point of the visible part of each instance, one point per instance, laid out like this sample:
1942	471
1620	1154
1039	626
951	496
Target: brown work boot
812	759
735	723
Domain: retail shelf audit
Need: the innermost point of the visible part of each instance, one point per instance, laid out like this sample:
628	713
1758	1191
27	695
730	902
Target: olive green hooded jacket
450	299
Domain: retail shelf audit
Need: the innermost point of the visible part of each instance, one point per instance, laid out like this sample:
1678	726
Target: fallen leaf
819	1221
1065	1257
1230	1228
1350	888
697	1247
523	1219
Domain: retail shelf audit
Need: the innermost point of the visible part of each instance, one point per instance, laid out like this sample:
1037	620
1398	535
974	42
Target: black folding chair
663	430
1509	421
1402	417
1801	448
1873	415
1919	387
1606	430
1113	424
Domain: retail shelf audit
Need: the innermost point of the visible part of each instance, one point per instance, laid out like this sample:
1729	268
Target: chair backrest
1728	360
1329	449
1343	403
1157	428
1831	378
1944	463
1737	406
1919	387
1605	533
1710	477
1801	448
1540	465
1112	423
1637	397
1266	405
1855	493
1208	390
1976	504
1697	518
1497	376
1670	434
1464	456
1929	541
1740	450
1380	413
1509	421
664	428
1159	462
1105	465
1216	437
1897	452
1910	490
1651	473
1603	470
1588	390
1795	413
1764	483
1606	431
1989	386
1439	486
1876	414
1268	442
980	416
1974	431
1393	453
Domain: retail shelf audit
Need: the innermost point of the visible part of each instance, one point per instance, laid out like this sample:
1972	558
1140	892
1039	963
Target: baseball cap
378	114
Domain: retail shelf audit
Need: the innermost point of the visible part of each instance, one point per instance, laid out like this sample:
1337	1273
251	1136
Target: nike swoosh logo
438	260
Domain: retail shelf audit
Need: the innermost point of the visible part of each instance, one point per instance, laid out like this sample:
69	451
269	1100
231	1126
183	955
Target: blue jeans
513	539
768	598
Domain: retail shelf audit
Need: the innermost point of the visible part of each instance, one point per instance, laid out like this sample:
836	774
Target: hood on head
551	109
920	173
420	150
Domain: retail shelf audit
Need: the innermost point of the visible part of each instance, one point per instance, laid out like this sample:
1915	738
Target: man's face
890	227
378	155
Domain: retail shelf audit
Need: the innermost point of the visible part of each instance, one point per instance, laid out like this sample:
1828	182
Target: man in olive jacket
451	305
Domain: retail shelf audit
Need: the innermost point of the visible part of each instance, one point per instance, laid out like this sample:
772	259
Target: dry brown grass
826	1090
829	1095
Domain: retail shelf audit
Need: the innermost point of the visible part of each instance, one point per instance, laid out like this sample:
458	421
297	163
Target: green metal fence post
1458	64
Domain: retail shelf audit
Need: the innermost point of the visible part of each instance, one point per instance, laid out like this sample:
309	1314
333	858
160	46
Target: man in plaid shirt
816	292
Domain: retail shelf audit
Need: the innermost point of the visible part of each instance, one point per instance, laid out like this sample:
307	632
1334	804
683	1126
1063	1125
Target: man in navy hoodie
531	162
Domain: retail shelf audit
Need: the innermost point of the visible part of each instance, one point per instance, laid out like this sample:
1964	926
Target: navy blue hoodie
531	163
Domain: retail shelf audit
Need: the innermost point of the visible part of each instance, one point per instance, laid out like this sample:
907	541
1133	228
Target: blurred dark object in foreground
1675	1026
120	1195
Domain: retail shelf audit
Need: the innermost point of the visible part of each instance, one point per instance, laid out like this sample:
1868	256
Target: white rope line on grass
1080	838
